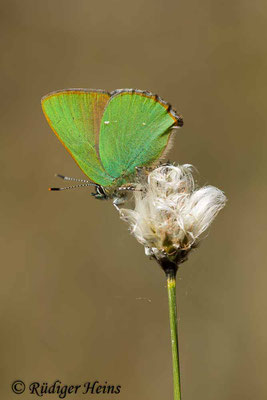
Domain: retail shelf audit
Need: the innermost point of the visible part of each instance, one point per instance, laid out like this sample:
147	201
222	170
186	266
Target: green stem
171	285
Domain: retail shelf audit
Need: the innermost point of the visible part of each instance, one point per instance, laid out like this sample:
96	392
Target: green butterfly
110	135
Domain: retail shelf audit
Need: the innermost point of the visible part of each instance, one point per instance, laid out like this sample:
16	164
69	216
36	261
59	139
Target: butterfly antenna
67	178
72	187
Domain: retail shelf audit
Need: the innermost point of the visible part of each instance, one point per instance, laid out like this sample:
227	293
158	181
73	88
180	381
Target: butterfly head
100	193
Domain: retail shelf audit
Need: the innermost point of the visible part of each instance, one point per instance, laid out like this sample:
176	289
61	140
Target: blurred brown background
71	275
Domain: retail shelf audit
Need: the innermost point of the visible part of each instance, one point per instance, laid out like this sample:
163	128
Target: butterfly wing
75	115
134	131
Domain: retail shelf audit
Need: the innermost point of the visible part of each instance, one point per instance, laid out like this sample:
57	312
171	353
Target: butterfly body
109	135
117	194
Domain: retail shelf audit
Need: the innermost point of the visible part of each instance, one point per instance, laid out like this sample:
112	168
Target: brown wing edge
178	118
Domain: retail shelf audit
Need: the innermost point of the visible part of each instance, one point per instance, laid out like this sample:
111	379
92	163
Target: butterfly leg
127	188
118	201
120	195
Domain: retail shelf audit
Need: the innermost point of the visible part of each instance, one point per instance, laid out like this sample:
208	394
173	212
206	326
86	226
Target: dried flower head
170	214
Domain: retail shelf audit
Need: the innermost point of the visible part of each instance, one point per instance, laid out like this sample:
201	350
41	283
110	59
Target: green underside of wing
75	118
134	132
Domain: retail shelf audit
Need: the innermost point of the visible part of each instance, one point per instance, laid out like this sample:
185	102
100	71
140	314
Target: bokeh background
79	301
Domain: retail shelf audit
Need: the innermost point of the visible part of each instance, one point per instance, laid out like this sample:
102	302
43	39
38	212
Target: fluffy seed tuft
170	214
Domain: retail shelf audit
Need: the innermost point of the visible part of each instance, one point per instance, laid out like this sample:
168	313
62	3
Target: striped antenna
72	187
67	178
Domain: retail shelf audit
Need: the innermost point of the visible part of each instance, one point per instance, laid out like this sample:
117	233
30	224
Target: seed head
170	213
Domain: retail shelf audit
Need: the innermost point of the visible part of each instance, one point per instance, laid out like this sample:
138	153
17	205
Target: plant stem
171	285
